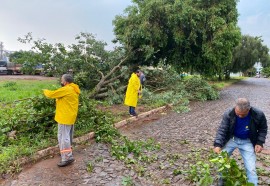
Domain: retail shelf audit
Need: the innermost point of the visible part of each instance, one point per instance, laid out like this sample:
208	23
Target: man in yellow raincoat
133	92
67	103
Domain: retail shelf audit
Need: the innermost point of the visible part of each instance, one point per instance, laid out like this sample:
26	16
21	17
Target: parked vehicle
39	69
10	68
3	67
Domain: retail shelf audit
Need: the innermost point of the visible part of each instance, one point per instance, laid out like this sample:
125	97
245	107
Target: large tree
192	35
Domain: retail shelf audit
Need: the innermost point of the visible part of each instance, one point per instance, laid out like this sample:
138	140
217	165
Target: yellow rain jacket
67	103
132	90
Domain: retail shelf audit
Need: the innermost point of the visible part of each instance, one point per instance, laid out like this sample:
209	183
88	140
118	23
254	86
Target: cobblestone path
178	134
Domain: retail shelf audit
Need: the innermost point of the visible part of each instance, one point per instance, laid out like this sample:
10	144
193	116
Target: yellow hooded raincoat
67	103
132	91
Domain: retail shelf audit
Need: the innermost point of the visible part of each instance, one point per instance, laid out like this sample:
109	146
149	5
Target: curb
54	149
140	116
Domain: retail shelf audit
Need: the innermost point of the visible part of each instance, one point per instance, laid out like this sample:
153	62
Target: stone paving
179	135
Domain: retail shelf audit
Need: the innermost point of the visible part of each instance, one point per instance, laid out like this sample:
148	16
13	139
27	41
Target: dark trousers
132	111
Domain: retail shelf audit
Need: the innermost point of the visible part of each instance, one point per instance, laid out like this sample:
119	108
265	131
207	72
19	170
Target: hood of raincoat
75	87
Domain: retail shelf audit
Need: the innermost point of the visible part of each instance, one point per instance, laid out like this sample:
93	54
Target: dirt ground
25	77
196	129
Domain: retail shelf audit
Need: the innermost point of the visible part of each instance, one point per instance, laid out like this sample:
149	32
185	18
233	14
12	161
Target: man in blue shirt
243	127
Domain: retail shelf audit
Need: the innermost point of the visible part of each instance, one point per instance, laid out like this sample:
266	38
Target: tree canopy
191	35
94	68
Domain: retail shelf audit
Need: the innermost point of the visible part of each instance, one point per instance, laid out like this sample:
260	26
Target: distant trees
94	68
249	51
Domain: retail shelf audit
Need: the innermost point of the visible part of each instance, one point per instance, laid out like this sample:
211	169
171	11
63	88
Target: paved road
195	128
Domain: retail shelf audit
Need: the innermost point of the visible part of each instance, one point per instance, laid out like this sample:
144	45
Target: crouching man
243	127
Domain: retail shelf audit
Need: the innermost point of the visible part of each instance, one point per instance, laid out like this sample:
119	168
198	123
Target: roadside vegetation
222	84
27	123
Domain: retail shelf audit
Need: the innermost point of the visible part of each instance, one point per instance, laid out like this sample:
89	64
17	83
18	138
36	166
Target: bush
200	89
162	79
176	98
266	71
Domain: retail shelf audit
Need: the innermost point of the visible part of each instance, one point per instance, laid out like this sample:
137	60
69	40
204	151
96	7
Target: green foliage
122	147
91	119
200	173
28	59
231	173
162	78
89	166
29	116
199	89
81	79
177	99
194	36
206	167
127	181
30	123
166	181
164	86
87	59
198	169
266	71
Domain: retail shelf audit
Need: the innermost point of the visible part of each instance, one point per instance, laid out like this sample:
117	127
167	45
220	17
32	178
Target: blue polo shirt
241	129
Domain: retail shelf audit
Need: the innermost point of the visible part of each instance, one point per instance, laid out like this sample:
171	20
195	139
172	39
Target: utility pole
1	50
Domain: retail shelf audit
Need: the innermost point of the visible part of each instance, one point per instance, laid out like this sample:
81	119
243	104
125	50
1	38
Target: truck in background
10	68
3	67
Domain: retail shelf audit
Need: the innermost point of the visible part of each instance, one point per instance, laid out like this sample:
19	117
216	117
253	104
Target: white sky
59	21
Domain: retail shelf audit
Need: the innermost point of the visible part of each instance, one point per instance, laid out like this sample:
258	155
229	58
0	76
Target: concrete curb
54	149
140	116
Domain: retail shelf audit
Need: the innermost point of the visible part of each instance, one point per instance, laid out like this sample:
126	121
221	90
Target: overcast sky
59	21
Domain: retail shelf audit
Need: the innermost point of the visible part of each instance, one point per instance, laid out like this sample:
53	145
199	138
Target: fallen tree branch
103	81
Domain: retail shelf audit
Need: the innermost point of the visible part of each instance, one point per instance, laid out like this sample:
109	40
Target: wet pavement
178	134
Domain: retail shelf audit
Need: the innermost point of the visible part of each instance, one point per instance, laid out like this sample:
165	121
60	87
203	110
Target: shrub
199	89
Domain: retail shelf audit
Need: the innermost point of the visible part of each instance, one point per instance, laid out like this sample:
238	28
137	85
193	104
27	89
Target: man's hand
217	150
258	148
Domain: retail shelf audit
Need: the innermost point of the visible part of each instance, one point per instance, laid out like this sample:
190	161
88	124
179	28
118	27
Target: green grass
225	83
21	89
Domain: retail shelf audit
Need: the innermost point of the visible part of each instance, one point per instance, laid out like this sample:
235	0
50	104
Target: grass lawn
225	83
12	90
